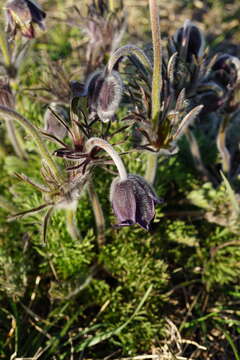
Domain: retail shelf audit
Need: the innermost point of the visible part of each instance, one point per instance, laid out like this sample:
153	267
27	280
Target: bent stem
151	171
157	62
98	214
72	224
128	50
103	144
32	130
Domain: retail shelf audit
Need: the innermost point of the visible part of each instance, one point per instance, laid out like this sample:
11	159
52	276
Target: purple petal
123	201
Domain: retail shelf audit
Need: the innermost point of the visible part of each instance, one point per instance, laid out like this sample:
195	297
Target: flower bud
133	201
189	41
226	70
21	15
218	91
104	94
51	124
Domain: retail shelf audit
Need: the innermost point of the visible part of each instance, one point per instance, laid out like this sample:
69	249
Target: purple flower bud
104	94
218	91
189	41
133	201
51	124
226	70
21	15
109	96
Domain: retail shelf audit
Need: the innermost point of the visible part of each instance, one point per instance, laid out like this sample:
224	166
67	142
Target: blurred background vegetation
173	293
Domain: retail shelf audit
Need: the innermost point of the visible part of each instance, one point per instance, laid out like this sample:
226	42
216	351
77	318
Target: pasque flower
189	41
21	15
218	90
104	91
133	201
226	70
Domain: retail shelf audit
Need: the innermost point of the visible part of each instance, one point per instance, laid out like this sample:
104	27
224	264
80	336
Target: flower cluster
168	91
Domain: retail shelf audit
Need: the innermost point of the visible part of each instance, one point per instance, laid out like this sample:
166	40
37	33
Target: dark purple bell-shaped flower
22	15
189	41
133	201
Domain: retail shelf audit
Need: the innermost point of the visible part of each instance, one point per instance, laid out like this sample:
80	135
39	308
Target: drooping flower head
22	15
133	201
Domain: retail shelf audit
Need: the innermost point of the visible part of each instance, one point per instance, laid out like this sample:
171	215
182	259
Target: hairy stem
157	61
129	50
13	137
93	142
152	160
98	214
5	49
221	145
32	130
72	225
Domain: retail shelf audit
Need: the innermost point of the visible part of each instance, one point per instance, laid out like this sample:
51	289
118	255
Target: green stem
98	213
152	160
5	49
32	130
157	61
13	136
72	225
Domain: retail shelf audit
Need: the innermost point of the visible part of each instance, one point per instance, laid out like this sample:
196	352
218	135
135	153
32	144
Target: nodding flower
133	201
21	15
